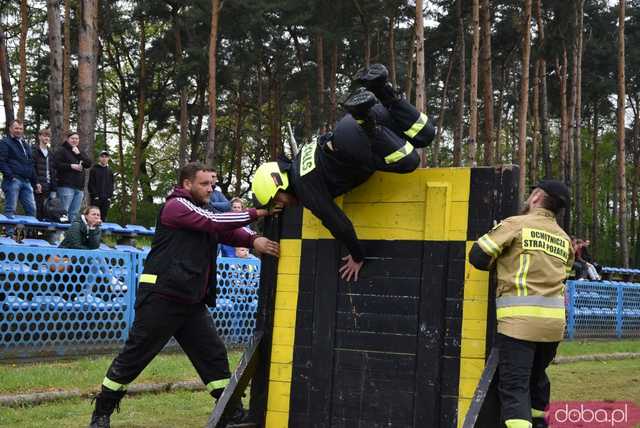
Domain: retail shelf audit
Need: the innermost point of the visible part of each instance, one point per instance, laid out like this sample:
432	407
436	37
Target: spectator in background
45	172
18	173
584	267
237	205
71	164
101	184
218	203
84	233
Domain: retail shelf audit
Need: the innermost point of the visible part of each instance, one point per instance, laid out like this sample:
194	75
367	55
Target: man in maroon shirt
178	282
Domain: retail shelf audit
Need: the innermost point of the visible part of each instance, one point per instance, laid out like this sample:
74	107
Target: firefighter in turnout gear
177	285
379	133
532	256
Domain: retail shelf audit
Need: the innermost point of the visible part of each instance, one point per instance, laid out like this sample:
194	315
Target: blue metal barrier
56	301
602	309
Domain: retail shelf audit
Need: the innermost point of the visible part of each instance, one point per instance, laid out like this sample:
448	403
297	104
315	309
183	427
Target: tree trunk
392	49
365	32
420	76
409	78
435	161
5	75
487	83
195	138
524	99
320	79
622	182
306	129
458	131
544	108
123	176
66	73
473	86
562	77
213	45
577	144
333	81
55	67
634	179
533	176
238	141
87	62
498	138
182	88
22	82
420	82
594	180
137	160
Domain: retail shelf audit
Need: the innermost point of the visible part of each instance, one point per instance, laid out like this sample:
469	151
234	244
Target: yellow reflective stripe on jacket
399	154
114	386
542	301
148	278
217	384
488	246
521	275
530	311
417	126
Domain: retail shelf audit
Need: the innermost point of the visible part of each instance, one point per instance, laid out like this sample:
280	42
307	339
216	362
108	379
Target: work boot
359	103
236	416
105	405
539	423
375	79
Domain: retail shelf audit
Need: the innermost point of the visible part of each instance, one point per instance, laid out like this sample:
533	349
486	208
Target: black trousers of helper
523	383
157	319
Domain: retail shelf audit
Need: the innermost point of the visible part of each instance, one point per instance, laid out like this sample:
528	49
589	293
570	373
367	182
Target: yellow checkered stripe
489	246
399	154
417	126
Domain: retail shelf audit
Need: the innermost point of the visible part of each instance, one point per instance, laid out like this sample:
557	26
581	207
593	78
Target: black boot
106	403
236	417
375	79
359	102
539	423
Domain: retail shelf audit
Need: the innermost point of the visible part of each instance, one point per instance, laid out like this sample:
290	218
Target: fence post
619	293
571	317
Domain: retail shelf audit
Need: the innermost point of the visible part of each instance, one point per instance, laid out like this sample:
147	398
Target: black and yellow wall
405	345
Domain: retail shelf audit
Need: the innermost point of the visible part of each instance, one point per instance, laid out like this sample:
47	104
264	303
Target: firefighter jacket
182	262
532	256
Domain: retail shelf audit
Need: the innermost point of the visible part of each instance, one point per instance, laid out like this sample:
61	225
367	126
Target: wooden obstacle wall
405	346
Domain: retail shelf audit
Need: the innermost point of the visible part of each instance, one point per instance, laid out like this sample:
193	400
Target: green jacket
80	237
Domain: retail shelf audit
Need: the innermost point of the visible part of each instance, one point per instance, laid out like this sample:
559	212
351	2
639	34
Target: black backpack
53	211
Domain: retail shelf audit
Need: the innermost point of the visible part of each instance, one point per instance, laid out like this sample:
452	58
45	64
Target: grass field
614	380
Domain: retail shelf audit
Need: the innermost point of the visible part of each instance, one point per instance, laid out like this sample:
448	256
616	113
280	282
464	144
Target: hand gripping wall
406	345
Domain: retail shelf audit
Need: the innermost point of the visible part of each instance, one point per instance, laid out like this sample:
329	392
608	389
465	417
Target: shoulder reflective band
530	306
217	384
113	386
148	278
488	246
308	158
517	423
417	126
399	154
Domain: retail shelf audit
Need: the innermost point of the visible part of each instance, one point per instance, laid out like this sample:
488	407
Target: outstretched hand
266	246
350	269
274	209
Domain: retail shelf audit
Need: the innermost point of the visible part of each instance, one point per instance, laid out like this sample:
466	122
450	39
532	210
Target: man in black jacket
71	164
179	280
45	172
101	184
18	174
